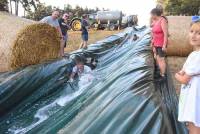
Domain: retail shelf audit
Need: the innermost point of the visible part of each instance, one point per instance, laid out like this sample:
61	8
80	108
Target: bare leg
162	65
154	53
62	44
81	45
85	44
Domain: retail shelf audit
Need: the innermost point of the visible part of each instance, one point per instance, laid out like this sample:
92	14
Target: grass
75	38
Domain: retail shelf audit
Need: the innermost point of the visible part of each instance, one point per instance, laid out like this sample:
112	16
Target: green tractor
110	20
75	22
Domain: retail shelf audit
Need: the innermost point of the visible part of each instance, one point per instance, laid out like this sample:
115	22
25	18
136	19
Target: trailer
109	20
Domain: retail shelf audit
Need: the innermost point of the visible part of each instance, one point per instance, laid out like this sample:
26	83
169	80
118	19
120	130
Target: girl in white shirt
189	77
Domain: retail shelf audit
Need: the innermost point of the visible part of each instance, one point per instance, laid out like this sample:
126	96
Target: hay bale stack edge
179	27
24	42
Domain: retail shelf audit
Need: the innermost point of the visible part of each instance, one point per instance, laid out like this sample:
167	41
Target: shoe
161	79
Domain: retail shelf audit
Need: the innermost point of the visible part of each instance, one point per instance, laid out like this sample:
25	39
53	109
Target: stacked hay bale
179	47
24	42
178	41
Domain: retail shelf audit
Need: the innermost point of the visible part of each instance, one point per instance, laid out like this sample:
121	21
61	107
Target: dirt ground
75	38
175	63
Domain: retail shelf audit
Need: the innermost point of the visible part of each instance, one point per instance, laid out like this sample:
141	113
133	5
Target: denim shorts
85	37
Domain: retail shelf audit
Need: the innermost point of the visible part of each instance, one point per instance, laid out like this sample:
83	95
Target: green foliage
3	5
42	10
27	4
40	13
182	7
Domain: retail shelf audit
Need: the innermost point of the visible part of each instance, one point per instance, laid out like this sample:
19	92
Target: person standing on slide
159	39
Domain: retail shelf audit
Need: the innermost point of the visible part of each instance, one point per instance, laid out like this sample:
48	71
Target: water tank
112	16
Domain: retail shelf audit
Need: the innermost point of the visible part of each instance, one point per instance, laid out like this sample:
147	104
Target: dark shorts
160	52
85	37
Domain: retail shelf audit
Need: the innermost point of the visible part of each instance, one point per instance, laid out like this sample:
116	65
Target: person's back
84	25
158	34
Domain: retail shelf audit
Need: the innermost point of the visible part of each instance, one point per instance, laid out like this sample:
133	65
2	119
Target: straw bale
24	42
178	40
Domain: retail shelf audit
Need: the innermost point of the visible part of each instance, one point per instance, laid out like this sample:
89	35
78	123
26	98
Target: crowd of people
188	76
62	26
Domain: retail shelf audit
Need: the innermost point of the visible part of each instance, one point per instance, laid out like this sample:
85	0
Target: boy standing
84	34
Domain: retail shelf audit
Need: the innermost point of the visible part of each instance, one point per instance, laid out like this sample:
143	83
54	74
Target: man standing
64	28
53	21
84	34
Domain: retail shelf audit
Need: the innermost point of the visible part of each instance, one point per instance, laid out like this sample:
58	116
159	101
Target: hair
160	7
156	12
84	16
195	26
55	10
79	60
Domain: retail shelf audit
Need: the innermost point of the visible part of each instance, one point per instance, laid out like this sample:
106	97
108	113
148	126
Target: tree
182	7
27	4
4	5
41	12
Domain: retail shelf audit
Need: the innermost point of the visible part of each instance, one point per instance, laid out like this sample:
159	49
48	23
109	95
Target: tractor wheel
111	27
76	25
95	26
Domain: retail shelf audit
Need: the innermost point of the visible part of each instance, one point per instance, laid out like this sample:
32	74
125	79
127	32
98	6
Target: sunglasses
195	19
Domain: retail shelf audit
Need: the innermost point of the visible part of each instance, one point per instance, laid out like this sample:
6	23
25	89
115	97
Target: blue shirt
84	25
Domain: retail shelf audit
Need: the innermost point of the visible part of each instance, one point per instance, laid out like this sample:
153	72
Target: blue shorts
85	37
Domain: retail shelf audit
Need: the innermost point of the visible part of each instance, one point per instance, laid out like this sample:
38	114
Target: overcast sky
140	7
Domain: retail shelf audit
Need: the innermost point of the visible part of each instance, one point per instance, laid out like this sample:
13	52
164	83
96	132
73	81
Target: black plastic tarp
122	97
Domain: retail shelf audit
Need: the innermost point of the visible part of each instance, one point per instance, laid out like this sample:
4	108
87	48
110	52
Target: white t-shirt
49	20
189	101
86	70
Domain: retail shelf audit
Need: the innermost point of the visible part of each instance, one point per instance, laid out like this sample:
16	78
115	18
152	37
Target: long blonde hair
195	26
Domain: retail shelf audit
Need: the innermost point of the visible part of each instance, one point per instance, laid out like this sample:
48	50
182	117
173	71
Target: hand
164	49
71	80
181	72
151	44
61	37
154	50
177	75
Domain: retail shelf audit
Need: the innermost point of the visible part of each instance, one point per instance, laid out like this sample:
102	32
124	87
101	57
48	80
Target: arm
44	20
164	26
72	76
59	30
74	71
182	77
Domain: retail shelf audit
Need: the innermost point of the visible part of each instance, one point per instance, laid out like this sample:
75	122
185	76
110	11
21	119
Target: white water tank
112	16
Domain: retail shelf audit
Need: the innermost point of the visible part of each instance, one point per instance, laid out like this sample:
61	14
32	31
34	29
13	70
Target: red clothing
158	34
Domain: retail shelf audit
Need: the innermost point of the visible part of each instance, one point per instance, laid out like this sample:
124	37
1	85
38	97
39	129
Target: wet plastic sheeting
121	98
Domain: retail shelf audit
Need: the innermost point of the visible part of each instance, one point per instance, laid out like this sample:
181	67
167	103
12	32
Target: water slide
121	96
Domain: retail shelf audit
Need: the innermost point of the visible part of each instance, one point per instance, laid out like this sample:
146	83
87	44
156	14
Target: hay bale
24	42
178	41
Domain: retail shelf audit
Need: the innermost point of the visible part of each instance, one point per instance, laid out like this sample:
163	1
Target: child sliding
189	77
